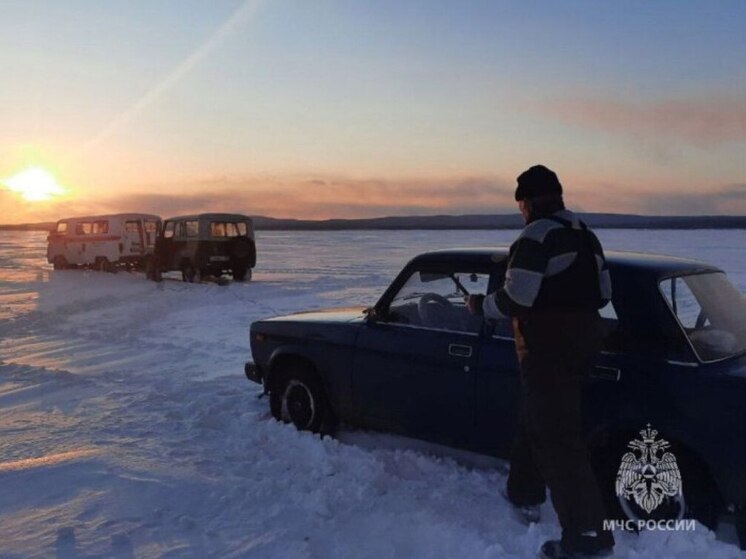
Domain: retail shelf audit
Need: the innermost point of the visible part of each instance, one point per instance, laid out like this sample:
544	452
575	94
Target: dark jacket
556	263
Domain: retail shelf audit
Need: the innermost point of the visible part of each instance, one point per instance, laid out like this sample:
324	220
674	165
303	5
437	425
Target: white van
103	242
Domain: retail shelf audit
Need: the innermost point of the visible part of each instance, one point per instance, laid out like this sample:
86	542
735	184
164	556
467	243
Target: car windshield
711	311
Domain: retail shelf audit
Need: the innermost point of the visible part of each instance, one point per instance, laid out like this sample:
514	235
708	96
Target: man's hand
474	303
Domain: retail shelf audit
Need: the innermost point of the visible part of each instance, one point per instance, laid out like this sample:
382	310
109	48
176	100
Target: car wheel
297	397
59	262
699	498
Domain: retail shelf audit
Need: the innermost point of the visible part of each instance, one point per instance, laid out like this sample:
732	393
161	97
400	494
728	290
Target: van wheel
241	273
59	262
190	274
103	265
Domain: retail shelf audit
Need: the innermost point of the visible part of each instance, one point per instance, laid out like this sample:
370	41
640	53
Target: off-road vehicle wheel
191	274
60	263
241	273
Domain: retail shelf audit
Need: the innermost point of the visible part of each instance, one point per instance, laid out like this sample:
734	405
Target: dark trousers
555	352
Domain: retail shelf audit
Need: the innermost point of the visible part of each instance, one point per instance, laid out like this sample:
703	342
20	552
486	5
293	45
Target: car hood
344	314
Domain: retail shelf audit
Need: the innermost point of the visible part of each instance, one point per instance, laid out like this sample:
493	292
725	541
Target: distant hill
44	226
509	221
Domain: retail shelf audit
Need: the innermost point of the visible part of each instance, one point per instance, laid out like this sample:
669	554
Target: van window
168	230
192	228
100	227
227	229
217	229
62	227
83	228
151	229
180	229
131	226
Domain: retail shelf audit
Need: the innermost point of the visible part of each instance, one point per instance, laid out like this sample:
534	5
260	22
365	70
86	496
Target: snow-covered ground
127	428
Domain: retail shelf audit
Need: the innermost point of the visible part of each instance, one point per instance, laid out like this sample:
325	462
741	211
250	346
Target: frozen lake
127	428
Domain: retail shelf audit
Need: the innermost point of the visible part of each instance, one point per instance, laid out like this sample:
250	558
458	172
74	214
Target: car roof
224	216
111	216
655	264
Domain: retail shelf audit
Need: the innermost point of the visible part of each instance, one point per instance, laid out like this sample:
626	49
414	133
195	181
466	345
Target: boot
525	514
584	547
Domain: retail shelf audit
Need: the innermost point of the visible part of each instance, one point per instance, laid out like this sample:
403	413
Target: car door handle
606	373
458	350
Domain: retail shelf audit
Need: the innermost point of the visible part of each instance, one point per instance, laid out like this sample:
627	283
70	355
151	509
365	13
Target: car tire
700	497
297	396
60	263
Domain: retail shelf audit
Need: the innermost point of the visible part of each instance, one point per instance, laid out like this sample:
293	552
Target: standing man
556	281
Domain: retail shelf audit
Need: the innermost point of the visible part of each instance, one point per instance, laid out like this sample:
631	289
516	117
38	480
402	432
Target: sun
34	184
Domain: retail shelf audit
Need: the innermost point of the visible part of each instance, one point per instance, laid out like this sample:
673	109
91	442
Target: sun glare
34	184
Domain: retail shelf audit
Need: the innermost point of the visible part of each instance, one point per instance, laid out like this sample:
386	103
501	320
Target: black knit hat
537	181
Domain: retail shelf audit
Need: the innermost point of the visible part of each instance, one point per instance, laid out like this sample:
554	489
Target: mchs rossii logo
649	473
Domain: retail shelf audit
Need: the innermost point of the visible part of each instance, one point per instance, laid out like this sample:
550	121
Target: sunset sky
316	109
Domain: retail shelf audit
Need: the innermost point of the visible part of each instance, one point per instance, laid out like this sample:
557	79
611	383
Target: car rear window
711	312
62	227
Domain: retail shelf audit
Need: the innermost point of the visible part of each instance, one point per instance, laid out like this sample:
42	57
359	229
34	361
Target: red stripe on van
89	238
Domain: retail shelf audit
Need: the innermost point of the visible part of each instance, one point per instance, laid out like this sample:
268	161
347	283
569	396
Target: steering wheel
434	314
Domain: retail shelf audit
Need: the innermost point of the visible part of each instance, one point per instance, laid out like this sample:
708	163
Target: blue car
665	408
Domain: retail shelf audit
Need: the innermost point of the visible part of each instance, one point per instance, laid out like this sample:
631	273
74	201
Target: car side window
83	228
180	229
168	230
436	300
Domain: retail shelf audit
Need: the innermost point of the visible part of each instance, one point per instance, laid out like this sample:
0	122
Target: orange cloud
327	197
339	197
702	123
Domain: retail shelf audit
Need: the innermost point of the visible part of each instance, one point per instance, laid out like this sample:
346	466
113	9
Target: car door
499	391
414	366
